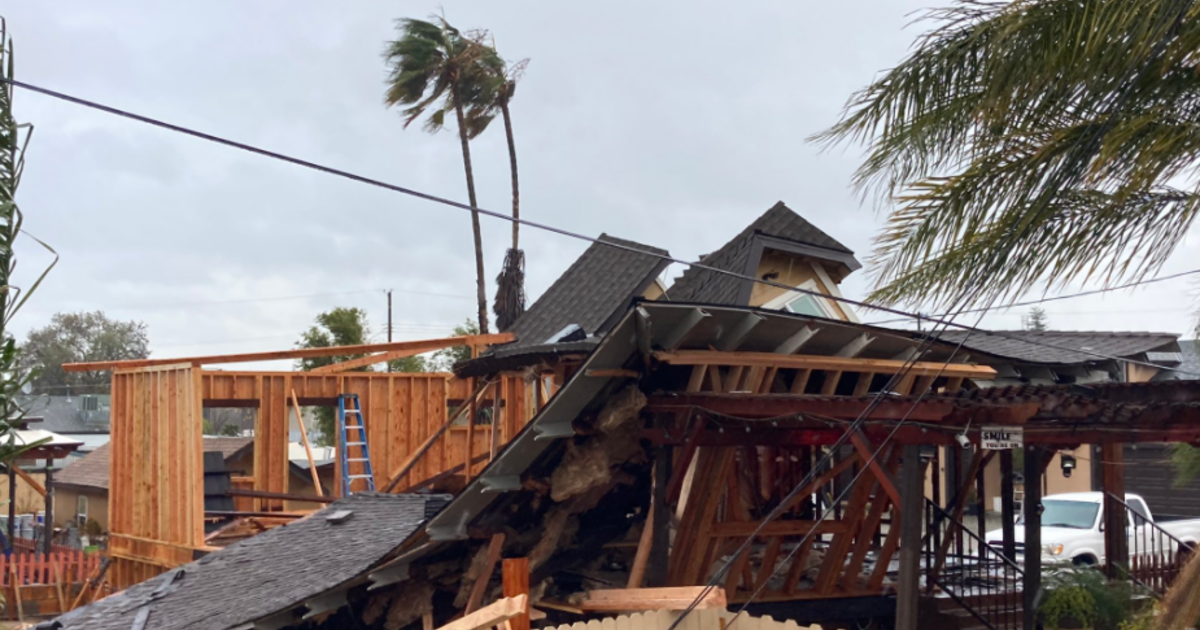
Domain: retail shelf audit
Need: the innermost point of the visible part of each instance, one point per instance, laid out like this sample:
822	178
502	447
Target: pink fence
74	566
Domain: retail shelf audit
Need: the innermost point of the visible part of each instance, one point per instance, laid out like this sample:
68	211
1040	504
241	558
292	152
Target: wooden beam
33	483
298	353
668	598
495	613
284	496
908	579
637	572
613	373
312	466
370	359
515	574
777	405
868	455
479	588
814	362
416	455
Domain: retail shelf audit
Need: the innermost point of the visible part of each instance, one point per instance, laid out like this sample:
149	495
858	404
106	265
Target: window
1142	514
81	509
803	303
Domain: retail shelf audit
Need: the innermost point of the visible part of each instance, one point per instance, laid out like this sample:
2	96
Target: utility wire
550	228
826	458
1061	297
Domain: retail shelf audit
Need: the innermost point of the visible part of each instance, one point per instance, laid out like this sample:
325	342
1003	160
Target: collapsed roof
260	576
1072	347
580	306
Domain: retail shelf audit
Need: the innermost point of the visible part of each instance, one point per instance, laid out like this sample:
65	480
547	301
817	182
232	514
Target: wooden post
478	590
1032	514
312	467
912	498
496	403
12	504
1116	541
48	519
660	546
515	573
1007	517
472	416
980	516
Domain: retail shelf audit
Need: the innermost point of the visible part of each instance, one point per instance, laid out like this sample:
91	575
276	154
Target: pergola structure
741	409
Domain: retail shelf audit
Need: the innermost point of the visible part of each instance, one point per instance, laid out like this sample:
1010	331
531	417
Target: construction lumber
479	588
667	598
33	483
865	450
495	613
285	496
418	347
515	574
645	542
312	466
394	480
813	362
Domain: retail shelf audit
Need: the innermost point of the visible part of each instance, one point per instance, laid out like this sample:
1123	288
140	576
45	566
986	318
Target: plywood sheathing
156	471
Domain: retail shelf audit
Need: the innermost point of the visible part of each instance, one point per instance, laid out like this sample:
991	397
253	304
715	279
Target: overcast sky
669	123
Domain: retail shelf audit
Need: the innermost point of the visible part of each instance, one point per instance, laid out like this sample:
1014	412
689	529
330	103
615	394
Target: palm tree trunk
480	283
512	166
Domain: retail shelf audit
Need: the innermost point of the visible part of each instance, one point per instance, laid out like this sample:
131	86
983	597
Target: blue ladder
350	419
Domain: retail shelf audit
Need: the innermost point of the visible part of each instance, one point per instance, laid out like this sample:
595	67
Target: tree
227	421
445	359
338	327
1042	140
1037	320
14	138
79	337
416	363
502	79
429	63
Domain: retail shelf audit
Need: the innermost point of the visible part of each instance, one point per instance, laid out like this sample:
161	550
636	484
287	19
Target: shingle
268	573
699	285
598	284
1027	345
91	470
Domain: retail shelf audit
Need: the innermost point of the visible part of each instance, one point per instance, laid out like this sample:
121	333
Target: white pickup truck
1073	531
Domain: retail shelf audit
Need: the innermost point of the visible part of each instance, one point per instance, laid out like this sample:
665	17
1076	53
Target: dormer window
804	303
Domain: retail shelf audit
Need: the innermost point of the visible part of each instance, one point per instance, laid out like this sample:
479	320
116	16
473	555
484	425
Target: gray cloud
673	124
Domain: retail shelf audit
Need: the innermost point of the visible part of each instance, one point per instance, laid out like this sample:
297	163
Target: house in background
83	418
81	490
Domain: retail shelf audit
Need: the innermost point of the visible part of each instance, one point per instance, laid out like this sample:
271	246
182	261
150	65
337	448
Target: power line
549	228
280	298
1062	297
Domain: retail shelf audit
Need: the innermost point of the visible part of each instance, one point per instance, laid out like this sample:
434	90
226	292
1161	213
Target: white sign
1002	438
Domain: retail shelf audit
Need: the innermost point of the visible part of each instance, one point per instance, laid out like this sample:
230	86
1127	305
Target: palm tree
1032	141
432	62
502	79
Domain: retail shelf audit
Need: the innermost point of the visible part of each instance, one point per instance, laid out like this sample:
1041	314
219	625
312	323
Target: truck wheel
1084	561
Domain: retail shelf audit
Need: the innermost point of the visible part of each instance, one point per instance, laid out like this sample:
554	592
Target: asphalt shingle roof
1027	348
91	470
698	285
268	573
597	285
63	414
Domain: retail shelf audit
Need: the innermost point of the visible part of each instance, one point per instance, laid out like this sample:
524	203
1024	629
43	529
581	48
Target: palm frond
1021	125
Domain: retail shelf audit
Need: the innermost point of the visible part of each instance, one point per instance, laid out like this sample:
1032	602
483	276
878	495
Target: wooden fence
74	566
713	619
